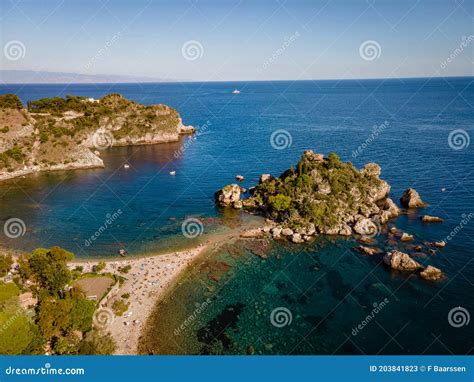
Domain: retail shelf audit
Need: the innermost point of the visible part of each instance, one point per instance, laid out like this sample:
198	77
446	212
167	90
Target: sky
240	40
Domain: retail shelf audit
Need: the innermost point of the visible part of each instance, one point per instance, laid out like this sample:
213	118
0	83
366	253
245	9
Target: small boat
236	91
122	252
240	178
443	189
126	166
173	173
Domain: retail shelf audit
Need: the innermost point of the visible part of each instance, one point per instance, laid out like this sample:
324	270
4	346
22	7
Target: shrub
10	101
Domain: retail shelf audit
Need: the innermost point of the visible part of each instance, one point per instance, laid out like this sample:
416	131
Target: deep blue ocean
329	289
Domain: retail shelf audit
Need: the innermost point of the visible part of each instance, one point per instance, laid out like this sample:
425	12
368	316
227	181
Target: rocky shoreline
324	196
67	134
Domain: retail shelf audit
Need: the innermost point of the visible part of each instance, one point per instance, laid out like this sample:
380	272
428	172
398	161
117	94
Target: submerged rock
411	199
401	262
369	250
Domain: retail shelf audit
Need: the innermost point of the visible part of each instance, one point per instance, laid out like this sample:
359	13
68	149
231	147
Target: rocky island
68	133
325	196
320	196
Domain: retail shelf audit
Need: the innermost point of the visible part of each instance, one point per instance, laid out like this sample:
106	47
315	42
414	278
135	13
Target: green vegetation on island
322	195
61	133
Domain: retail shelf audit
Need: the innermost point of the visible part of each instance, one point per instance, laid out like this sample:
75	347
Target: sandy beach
146	282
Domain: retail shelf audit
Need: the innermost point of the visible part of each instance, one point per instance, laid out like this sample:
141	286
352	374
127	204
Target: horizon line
232	81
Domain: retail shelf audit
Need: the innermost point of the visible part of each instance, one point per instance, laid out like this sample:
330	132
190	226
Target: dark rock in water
401	262
318	323
216	330
411	199
431	219
339	289
216	270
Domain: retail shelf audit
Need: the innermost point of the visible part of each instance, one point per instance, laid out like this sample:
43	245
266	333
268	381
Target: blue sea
417	130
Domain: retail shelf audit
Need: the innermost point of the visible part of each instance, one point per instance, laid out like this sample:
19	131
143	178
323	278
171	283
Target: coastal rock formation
406	237
62	134
389	211
401	262
411	199
431	219
322	195
369	250
365	227
229	196
431	273
265	177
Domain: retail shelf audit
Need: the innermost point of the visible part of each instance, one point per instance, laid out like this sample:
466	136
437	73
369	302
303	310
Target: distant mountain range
40	77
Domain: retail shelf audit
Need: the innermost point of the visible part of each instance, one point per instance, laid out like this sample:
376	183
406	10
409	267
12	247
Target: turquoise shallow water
412	149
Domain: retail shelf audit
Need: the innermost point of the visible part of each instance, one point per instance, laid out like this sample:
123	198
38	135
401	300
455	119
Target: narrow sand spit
147	280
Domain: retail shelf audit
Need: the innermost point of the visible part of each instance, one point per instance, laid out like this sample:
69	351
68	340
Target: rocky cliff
69	133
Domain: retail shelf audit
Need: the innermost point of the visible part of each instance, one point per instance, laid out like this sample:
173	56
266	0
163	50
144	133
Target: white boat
236	91
126	166
173	173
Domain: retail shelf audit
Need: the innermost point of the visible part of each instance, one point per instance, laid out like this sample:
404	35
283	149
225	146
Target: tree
280	202
96	344
49	268
59	317
81	314
54	317
334	161
6	262
100	266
